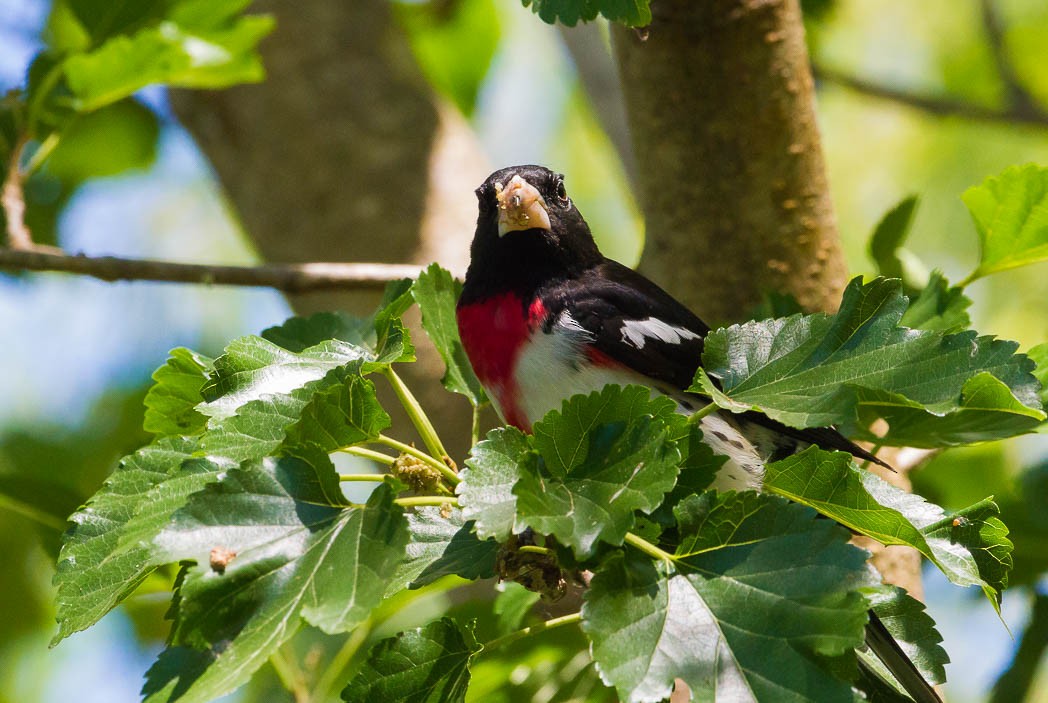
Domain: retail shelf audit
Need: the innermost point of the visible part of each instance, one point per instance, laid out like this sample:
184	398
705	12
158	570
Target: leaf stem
418	501
702	412
327	680
40	155
647	547
32	512
440	466
541	627
417	414
534	549
345	478
369	454
475	431
290	675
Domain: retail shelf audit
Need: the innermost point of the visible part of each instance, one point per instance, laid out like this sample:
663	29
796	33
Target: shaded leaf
889	236
818	370
512	605
436	293
1039	355
442	546
759	591
492	469
290	552
171	402
106	142
1010	211
426	665
604	456
939	306
632	13
299	333
906	619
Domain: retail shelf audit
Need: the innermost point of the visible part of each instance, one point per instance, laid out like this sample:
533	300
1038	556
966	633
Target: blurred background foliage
128	180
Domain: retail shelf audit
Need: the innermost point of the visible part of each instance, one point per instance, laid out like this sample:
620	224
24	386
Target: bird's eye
561	192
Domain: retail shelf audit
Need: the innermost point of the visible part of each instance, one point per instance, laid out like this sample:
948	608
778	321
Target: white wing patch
637	332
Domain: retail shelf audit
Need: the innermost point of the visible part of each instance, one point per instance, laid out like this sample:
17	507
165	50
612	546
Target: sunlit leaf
272	547
1011	215
107	553
819	370
492	469
437	293
171	402
759	591
604	456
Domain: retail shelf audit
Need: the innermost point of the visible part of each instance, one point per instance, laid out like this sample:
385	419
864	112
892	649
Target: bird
543	315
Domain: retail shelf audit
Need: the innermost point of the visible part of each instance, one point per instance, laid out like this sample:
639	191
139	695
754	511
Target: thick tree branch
290	278
942	106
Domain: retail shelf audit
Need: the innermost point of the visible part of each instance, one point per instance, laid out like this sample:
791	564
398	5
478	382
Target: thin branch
291	278
1018	97
947	107
13	199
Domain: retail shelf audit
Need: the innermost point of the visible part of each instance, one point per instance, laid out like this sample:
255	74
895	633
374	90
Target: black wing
644	328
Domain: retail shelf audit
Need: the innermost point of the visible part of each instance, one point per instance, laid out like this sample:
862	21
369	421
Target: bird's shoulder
631	320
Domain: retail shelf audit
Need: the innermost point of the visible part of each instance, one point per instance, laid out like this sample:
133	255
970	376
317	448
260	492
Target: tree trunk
732	182
345	154
733	186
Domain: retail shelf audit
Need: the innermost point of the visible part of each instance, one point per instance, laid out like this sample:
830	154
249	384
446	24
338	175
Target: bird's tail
882	644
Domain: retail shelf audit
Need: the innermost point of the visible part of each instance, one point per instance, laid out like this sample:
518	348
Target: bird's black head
528	229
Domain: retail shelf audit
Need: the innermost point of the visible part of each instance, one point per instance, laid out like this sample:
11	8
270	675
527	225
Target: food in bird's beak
521	206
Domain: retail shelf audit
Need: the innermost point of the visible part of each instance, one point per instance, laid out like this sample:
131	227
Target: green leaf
492	469
970	546
345	414
759	591
1011	215
1039	355
454	46
107	553
632	13
299	333
289	551
987	410
512	605
252	368
171	402
830	483
107	18
906	619
442	546
889	236
436	293
168	54
426	665
939	307
604	456
819	370
106	142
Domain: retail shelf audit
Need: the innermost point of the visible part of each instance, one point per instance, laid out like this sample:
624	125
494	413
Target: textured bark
344	154
720	100
732	181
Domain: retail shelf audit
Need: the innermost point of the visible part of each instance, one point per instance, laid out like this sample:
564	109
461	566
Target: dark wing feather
609	295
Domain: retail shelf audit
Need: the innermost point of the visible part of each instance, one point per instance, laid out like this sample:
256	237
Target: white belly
549	372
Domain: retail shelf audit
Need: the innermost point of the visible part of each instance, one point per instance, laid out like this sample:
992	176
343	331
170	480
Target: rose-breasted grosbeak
544	316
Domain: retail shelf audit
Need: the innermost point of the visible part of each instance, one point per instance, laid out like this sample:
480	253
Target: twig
13	199
1018	97
291	278
942	106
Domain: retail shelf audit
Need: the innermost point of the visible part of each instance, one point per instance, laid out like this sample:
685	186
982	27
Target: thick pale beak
520	206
